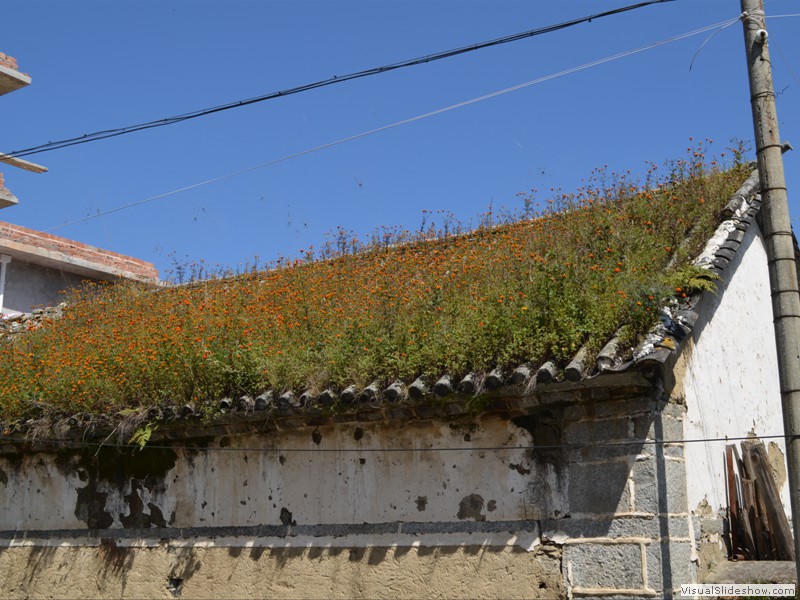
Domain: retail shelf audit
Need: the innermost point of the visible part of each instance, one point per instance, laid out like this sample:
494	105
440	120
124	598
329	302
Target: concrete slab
12	80
751	571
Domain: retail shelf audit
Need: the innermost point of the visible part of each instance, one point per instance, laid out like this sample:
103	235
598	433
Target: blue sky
98	65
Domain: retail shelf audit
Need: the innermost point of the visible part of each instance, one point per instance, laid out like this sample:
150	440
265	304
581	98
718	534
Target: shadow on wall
314	572
612	496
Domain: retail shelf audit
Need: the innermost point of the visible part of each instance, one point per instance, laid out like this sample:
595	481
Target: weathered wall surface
568	496
106	571
332	475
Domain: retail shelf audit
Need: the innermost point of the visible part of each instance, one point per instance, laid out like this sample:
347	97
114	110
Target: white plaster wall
731	382
345	481
34	493
341	480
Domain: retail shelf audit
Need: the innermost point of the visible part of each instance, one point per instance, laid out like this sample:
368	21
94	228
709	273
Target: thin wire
100	135
535	447
774	42
398	123
708	39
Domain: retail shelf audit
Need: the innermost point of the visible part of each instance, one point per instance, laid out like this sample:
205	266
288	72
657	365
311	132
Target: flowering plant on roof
530	286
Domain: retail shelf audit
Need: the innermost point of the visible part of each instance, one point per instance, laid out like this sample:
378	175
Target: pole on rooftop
780	243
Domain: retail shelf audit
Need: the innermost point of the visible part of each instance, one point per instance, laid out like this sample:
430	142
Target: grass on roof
605	256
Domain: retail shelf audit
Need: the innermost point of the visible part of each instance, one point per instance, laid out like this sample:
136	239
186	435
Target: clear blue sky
98	65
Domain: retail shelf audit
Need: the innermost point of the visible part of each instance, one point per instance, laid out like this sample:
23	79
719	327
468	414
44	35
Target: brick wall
137	268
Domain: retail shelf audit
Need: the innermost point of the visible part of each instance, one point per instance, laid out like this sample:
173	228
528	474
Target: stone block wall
628	530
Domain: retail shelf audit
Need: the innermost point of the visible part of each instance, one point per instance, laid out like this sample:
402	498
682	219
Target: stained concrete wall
563	498
29	286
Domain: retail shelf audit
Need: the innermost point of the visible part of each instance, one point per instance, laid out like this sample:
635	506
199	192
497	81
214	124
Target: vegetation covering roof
537	286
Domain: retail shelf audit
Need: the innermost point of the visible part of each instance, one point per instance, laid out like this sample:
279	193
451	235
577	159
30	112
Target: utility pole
780	245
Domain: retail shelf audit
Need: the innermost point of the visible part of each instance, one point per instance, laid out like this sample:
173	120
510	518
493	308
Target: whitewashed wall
333	475
731	379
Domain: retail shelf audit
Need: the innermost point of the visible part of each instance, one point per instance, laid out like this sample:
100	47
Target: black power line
108	133
62	443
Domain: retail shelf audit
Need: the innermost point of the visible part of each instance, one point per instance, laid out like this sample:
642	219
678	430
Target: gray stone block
749	571
673	409
428	411
668	566
628	406
372	415
400	413
558	397
602	408
498	404
611	566
601	452
710	525
597	430
670	427
660	486
599	488
658	426
639	526
344	417
576	412
674	450
643	426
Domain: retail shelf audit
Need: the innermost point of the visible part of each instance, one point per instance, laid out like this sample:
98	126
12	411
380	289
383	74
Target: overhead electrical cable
708	39
396	124
783	56
108	133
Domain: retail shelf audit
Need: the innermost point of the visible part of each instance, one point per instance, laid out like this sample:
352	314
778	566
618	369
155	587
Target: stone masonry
628	530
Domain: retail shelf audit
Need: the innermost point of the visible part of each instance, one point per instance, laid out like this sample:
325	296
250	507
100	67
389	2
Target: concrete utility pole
780	246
